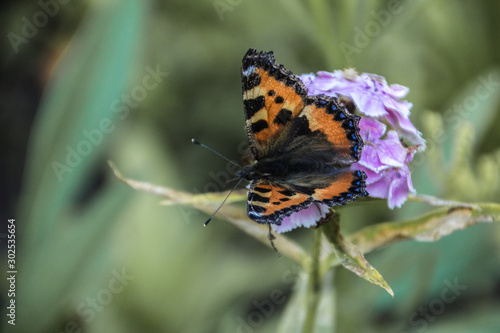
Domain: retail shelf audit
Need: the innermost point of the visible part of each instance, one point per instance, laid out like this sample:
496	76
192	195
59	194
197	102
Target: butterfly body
303	145
304	165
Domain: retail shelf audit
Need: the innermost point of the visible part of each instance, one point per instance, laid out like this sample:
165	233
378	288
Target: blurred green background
84	82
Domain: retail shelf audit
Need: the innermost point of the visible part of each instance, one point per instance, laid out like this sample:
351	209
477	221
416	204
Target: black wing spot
259	126
283	117
301	126
262	189
255	197
271	93
303	189
254	105
287	193
279	100
255	209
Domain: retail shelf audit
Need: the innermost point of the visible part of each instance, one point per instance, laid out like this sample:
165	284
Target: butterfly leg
271	237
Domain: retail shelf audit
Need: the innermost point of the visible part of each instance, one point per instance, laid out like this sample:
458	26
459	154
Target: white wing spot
249	70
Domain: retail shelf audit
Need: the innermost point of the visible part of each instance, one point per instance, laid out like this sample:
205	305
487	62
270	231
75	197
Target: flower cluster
384	158
385	162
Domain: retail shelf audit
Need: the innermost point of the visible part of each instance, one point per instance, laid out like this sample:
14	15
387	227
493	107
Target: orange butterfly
303	145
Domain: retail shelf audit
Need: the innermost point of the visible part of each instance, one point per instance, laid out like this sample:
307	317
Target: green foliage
78	99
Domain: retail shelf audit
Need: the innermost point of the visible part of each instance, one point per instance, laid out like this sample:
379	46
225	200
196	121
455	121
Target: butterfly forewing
272	98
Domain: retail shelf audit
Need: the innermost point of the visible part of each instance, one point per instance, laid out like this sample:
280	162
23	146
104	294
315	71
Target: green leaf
90	77
428	227
293	319
326	312
351	257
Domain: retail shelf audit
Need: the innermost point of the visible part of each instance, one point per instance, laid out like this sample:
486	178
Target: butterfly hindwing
269	203
345	186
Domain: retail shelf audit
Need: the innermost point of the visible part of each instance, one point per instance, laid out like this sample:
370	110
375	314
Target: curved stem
209	202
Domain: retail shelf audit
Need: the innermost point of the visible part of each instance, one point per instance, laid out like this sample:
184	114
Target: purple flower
385	162
307	217
372	96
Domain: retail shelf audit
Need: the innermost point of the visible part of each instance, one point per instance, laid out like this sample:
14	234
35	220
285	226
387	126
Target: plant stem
314	283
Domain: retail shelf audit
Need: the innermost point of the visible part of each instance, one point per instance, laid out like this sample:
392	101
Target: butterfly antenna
215	152
234	188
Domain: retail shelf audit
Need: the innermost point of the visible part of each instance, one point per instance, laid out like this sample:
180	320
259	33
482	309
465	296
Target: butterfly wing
272	97
270	203
324	121
327	133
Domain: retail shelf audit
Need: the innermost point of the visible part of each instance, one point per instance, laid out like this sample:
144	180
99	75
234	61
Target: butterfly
302	145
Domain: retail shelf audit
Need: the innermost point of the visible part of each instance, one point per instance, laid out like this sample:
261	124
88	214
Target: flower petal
307	217
380	187
391	152
397	91
370	104
402	107
405	127
371	129
399	189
